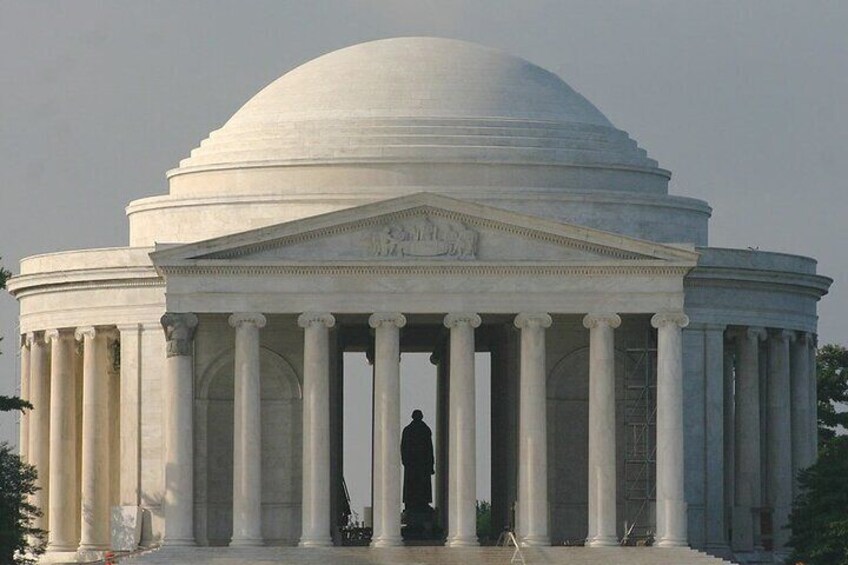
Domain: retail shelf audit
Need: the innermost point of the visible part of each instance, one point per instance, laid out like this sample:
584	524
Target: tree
819	521
20	541
832	369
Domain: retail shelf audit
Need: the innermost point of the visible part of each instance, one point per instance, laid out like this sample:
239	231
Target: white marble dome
416	99
399	116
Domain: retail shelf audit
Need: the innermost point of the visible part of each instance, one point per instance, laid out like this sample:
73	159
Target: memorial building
426	195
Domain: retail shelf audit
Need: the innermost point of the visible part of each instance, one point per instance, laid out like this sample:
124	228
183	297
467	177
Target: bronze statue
416	449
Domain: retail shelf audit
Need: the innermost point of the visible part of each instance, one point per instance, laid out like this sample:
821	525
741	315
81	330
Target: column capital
309	319
83	332
379	319
27	339
662	319
462	318
596	319
802	338
58	334
133	327
756	333
36	338
782	335
533	320
256	319
179	332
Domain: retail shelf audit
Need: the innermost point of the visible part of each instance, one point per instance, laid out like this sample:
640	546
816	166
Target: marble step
423	556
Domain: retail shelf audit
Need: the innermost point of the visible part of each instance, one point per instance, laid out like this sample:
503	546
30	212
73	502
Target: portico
552	268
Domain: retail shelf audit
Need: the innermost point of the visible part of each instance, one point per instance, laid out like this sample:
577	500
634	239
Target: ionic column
177	394
812	384
63	442
95	532
315	531
800	405
247	432
462	457
715	464
386	495
532	503
39	429
779	437
747	427
602	487
23	441
130	414
671	499
729	438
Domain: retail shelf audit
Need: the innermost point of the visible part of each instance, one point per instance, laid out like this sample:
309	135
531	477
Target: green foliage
20	542
9	403
484	519
819	518
832	369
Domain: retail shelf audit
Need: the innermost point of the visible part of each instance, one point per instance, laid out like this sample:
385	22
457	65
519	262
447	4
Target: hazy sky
744	101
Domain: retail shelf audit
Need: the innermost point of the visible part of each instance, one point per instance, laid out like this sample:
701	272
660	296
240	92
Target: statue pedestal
419	523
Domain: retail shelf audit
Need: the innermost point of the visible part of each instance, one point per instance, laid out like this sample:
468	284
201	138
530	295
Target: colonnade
75	507
532	504
770	425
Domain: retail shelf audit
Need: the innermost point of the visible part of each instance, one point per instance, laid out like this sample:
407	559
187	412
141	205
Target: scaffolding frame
640	446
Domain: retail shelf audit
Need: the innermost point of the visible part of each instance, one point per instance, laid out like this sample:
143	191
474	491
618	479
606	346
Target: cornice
50	288
815	285
465	268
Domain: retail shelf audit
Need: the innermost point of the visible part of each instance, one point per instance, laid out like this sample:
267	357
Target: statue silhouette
416	449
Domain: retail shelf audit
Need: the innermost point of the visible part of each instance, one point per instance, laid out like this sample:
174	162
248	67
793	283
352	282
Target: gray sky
743	101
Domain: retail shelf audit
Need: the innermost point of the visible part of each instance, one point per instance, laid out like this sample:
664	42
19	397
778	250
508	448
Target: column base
721	550
672	542
247	542
59	556
178	542
315	543
85	554
386	541
602	541
535	541
62	548
465	541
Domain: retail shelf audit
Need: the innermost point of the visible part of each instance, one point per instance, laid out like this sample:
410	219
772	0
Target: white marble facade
433	194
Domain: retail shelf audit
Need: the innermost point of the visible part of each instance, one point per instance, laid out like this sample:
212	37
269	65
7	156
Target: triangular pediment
423	227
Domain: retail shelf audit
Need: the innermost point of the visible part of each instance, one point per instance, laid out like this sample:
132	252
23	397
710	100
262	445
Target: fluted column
386	495
602	487
39	430
812	384
315	531
532	511
800	405
715	464
177	393
462	494
247	432
23	441
747	427
729	435
671	499
63	442
95	533
779	450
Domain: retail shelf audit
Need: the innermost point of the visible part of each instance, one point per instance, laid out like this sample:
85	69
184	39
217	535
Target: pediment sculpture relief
425	237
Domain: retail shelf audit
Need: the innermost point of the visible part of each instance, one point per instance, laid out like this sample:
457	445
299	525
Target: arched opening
281	407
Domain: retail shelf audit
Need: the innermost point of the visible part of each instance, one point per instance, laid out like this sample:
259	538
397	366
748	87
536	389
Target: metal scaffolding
640	409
